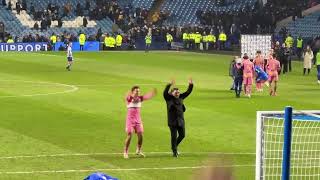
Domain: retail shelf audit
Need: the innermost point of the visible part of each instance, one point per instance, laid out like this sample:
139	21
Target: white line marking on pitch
102	154
73	89
121	169
118	85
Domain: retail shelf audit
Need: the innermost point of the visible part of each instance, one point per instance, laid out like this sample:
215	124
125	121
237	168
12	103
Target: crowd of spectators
137	22
257	20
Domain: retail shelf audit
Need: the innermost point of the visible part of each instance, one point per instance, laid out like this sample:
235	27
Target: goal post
288	145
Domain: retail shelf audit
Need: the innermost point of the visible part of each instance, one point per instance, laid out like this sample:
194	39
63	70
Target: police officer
10	40
299	47
82	40
211	41
148	40
106	42
112	42
53	40
185	38
205	41
119	41
289	41
222	40
169	40
197	40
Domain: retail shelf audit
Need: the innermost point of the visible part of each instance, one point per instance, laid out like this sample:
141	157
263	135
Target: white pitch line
122	169
117	85
73	89
103	154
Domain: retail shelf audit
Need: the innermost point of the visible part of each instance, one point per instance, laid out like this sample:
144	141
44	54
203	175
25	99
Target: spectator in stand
24	5
79	11
36	26
43	25
87	5
85	22
32	9
10	6
2	31
66	9
18	7
60	22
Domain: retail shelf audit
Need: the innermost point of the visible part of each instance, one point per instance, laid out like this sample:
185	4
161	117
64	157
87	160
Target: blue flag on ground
100	176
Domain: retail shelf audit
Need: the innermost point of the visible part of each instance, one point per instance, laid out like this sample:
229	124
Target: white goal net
272	146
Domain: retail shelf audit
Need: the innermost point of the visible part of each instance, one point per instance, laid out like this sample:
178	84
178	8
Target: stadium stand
12	24
143	4
134	18
23	23
306	27
185	12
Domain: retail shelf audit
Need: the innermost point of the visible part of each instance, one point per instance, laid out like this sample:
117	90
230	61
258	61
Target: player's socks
267	84
125	155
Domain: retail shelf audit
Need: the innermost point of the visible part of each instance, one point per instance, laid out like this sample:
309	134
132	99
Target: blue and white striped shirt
69	52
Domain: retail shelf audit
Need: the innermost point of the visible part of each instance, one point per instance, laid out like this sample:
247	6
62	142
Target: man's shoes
175	154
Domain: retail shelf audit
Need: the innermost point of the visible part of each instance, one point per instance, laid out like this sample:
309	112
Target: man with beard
175	112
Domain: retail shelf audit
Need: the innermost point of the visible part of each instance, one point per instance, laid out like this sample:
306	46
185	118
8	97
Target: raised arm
150	94
128	94
166	94
189	90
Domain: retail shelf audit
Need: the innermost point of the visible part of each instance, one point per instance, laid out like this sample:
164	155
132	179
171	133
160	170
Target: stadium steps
183	12
12	24
307	27
285	22
20	25
146	4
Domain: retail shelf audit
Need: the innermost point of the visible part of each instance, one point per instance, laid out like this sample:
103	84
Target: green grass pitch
46	110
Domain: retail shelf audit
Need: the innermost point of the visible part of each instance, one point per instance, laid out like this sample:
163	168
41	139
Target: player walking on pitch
273	66
134	122
238	76
69	56
248	73
175	112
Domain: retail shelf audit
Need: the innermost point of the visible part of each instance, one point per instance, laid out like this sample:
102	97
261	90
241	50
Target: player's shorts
132	126
247	80
262	77
70	58
273	78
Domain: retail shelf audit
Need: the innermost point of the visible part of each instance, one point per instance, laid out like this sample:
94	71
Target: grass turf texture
92	119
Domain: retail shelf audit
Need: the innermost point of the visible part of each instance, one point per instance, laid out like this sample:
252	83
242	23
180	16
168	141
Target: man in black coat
175	112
